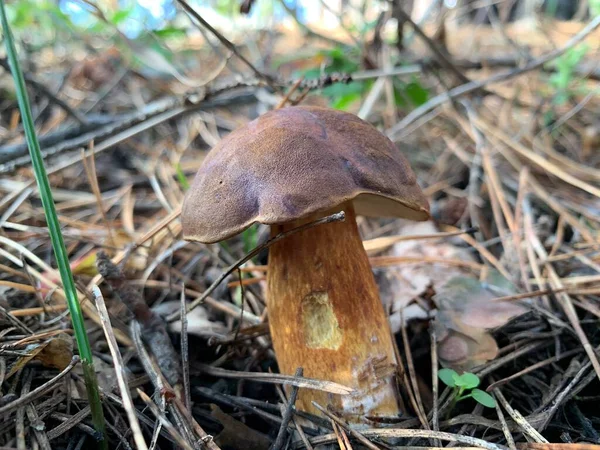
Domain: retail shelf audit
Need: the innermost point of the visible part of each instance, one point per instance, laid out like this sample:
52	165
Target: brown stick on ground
154	331
325	316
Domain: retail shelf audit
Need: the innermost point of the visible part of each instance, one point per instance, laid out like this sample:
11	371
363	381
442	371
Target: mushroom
284	169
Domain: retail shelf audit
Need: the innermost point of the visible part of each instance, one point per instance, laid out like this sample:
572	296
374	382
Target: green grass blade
58	245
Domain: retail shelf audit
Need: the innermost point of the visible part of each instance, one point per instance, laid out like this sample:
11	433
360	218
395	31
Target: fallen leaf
198	322
55	352
466	312
462	352
399	285
236	435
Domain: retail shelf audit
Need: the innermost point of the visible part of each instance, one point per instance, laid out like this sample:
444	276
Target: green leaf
467	380
183	182
341	61
170	32
564	67
447	376
400	97
416	93
121	15
483	398
250	238
312	74
341	89
343	95
344	102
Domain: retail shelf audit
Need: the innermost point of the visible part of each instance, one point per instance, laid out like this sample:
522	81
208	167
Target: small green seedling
465	386
563	79
183	182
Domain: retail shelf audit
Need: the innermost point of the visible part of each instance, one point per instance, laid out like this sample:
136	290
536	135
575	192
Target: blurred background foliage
159	27
156	35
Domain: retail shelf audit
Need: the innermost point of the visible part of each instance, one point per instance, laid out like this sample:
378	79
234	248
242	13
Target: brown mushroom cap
293	162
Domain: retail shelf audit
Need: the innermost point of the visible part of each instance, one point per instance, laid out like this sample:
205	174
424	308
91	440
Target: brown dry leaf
56	352
465	349
236	435
466	311
401	284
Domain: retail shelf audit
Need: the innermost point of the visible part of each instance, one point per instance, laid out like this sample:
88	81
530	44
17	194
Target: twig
418	402
363	440
485	253
435	420
136	430
540	292
164	421
282	434
498	24
507	435
342	437
275	378
32	415
42	89
293	89
443	59
154	330
185	353
40	434
381	243
538	159
180	414
14	321
134	123
555	282
309	31
502	76
226	42
232	401
46	387
302	434
20	415
155	378
519	419
206	439
393	72
538	365
499	362
337	217
89	165
372	98
400	433
70	422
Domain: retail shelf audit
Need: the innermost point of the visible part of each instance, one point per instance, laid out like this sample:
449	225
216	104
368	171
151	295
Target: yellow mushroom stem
325	316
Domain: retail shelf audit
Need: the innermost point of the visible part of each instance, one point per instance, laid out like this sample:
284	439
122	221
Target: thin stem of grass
60	252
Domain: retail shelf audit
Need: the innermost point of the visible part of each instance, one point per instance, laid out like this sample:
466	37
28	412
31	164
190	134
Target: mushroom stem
325	316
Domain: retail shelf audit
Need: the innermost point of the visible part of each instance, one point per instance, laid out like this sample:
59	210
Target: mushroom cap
292	163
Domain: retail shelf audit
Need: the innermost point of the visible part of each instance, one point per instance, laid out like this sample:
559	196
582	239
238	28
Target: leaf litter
511	167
